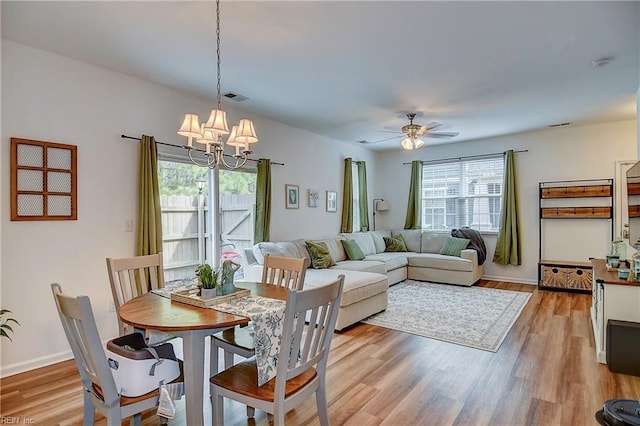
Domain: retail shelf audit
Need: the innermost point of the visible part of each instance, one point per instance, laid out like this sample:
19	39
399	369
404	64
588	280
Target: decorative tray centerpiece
192	297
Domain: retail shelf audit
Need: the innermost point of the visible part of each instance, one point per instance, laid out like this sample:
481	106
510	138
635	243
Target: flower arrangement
207	276
4	324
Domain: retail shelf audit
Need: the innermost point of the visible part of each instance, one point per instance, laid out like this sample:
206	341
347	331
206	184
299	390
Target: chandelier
211	133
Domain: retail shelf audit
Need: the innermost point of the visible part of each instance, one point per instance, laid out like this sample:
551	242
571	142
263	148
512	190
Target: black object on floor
623	347
619	412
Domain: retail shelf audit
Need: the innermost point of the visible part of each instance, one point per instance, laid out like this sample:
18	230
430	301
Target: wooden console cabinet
613	298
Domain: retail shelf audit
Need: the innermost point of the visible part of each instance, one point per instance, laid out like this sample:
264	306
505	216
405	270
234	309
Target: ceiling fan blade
388	131
381	140
441	134
432	125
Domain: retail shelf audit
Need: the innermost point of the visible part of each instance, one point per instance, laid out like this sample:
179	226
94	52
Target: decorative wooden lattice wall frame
43	180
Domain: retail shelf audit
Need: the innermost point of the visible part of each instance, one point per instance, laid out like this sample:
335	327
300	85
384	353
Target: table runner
267	316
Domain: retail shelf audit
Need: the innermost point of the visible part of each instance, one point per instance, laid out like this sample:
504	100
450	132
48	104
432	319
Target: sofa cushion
353	250
301	249
357	285
364	240
432	242
335	247
392	260
320	257
281	249
411	238
361	265
440	261
396	243
453	246
378	239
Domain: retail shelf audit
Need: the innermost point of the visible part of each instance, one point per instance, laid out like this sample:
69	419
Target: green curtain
363	207
414	213
263	202
508	244
347	198
149	238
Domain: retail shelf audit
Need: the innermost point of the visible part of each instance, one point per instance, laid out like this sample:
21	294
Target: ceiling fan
412	132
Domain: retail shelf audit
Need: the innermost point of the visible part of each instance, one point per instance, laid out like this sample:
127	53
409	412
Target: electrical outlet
128	227
112	306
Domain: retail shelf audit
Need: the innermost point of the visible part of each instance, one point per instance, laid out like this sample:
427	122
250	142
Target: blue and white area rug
477	317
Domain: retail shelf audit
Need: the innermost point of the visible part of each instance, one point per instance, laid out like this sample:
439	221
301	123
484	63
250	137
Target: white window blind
463	193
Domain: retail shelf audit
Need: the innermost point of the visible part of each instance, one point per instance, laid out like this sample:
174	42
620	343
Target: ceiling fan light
407	143
417	142
246	133
217	122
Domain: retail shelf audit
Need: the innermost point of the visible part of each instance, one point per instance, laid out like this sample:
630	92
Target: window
187	225
463	193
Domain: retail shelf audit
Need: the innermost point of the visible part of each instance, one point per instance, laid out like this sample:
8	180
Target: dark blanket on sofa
475	241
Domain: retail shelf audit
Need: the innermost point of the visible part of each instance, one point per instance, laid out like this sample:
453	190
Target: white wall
566	153
53	98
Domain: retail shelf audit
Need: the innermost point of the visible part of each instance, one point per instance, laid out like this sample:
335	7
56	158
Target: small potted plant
5	328
208	280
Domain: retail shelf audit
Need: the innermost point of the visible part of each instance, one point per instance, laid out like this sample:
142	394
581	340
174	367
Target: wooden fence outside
181	239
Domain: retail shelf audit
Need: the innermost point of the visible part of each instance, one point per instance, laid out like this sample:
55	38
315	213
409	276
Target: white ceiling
349	70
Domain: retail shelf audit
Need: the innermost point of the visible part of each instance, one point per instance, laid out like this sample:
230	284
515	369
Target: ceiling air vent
235	97
560	124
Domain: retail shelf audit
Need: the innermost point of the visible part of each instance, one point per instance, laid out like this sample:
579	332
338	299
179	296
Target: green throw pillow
453	246
354	252
394	243
320	257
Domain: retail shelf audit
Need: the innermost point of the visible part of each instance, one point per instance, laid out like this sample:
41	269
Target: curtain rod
468	156
195	149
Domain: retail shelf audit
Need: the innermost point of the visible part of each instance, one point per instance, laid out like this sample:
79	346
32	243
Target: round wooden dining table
193	324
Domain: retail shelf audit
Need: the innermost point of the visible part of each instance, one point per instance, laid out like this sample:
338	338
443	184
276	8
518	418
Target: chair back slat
285	272
132	277
307	347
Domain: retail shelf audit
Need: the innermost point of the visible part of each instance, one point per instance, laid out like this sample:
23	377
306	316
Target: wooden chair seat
242	378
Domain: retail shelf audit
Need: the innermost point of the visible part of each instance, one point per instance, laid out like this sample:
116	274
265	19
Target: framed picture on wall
314	198
332	201
292	193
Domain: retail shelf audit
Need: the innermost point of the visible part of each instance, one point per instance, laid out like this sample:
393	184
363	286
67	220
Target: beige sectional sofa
367	281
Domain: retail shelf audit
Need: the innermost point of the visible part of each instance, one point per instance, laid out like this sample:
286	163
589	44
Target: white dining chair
132	277
302	360
281	271
99	387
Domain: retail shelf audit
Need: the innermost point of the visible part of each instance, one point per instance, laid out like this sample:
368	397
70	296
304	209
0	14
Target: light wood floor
545	373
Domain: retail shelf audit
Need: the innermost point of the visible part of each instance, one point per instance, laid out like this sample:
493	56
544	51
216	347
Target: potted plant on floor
207	280
5	327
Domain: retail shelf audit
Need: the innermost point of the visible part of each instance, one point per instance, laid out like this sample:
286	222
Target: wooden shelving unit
568	275
633	189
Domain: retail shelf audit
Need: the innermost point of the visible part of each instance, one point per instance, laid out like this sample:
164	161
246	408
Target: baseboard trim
32	364
510	280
